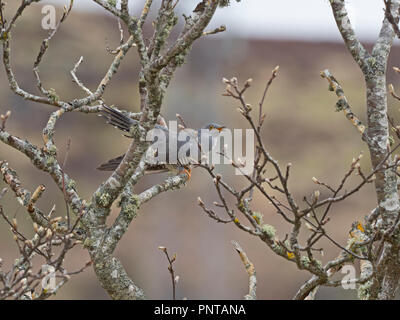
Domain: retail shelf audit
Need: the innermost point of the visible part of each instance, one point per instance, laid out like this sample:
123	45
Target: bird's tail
111	165
117	118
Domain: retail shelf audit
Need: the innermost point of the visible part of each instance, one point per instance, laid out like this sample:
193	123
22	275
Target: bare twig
174	278
251	271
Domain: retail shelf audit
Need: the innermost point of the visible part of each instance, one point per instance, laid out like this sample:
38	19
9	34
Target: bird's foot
188	172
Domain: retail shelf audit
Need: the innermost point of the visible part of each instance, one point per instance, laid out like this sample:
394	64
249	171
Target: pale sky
288	19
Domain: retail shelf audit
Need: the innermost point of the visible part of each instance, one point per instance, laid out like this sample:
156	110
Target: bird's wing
169	148
157	168
189	151
111	164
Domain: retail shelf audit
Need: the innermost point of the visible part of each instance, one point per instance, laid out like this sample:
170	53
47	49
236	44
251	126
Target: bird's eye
211	127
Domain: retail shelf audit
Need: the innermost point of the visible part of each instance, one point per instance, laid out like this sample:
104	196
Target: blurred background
301	127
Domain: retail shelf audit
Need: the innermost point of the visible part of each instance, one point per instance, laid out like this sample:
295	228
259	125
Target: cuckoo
189	151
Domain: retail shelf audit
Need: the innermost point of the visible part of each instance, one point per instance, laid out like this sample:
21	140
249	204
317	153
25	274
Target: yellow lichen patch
357	230
290	255
236	220
258	217
360	227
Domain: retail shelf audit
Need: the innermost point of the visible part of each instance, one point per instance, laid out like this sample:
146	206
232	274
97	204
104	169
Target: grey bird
184	158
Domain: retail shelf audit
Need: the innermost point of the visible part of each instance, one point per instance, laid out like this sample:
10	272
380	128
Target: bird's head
214	127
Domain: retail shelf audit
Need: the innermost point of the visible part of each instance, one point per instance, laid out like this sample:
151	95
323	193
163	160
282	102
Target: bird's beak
221	128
